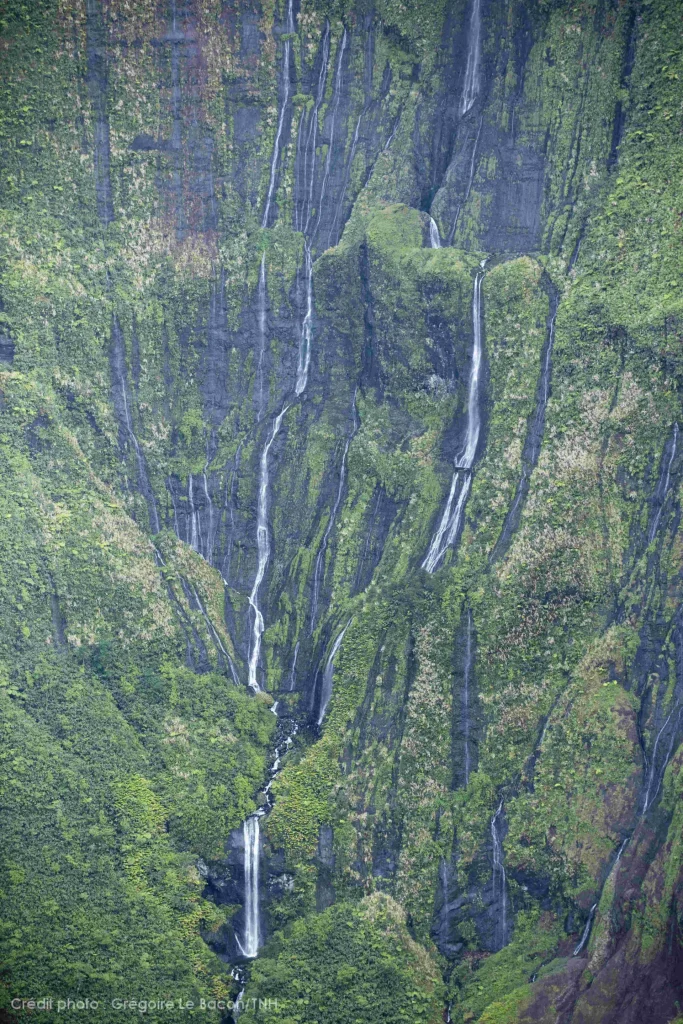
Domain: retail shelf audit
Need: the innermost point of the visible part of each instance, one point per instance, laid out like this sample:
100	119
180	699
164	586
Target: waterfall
470	179
302	217
328	674
663	485
471	87
320	560
434	238
586	930
194	528
251	938
534	438
263	545
209	503
498	880
283	110
122	407
262	298
451	519
330	145
466	701
655	775
304	222
347	175
230	501
307	326
292	671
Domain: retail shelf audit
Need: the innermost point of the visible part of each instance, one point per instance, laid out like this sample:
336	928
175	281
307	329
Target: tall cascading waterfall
328	675
534	437
498	882
251	937
451	519
320	560
263	546
434	237
664	484
471	86
466	696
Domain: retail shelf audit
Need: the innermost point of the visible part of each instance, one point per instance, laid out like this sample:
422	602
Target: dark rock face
6	349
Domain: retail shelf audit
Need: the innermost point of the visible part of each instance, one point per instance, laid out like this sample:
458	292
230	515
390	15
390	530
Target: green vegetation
353	963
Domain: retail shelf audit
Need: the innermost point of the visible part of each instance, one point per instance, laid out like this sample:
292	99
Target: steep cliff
340	378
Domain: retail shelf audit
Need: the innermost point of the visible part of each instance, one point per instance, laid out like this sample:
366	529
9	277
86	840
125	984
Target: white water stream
449	525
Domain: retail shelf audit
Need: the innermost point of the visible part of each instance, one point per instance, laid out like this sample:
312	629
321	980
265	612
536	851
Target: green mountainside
341	569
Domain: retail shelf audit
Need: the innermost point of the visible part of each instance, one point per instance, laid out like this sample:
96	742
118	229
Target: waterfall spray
434	238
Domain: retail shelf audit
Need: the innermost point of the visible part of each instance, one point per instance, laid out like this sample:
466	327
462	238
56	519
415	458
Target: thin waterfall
466	695
434	237
307	326
308	161
330	145
471	87
658	764
251	938
120	382
209	503
470	179
292	671
534	438
347	175
230	501
320	560
451	519
499	883
586	931
283	111
263	545
261	301
194	527
328	675
663	485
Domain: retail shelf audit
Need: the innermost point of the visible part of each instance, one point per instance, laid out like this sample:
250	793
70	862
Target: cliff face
340	365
